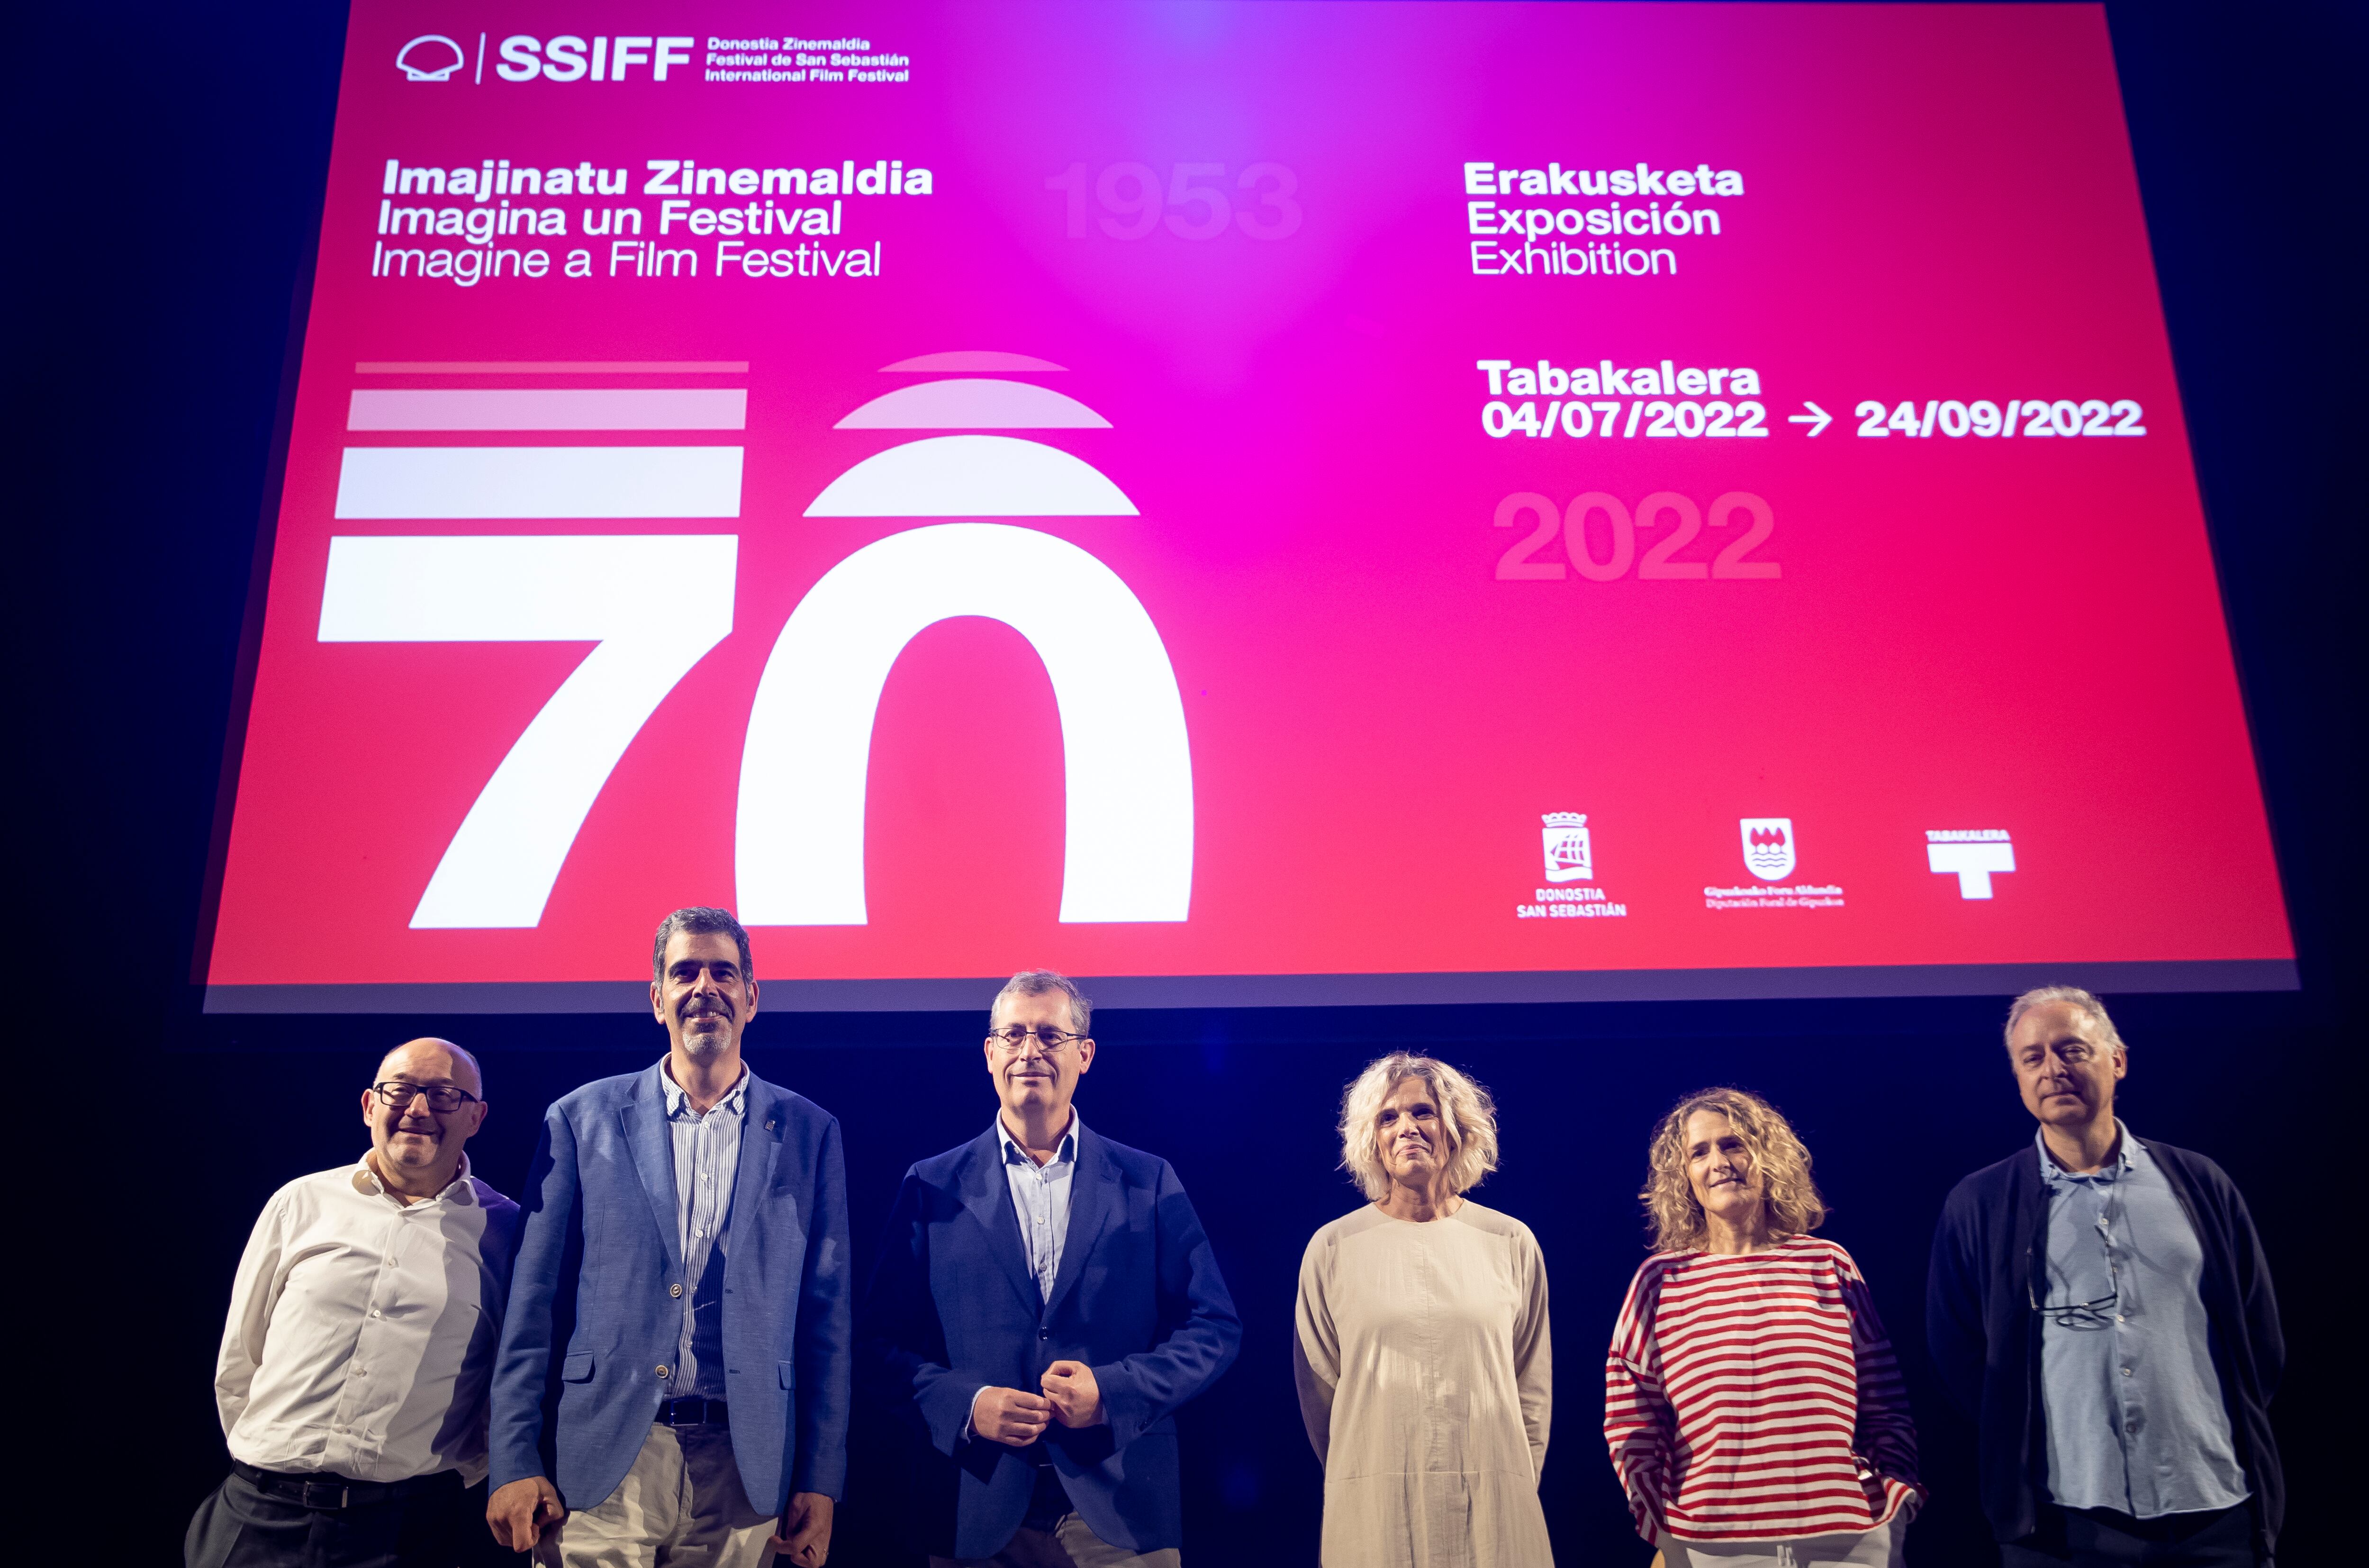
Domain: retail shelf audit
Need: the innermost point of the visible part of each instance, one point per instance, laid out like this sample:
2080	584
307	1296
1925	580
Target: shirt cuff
969	1432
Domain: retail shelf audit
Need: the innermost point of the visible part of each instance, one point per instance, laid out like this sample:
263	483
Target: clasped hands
1016	1419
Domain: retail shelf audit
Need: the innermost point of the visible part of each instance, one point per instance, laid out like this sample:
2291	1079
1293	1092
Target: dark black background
166	164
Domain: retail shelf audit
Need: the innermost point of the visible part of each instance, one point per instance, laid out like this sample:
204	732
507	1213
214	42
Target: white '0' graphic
800	840
653	603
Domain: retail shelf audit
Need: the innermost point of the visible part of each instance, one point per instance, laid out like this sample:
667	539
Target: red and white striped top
1756	1398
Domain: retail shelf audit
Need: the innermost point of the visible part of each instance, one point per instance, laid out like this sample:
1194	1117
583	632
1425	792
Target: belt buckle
321	1494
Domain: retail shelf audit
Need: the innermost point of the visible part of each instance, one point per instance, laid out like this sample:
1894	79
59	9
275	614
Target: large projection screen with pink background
1255	504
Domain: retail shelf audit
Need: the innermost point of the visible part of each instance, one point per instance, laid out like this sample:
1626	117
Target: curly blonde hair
1466	1110
1794	1204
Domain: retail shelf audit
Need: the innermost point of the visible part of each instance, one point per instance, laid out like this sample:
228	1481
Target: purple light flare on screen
970	360
982	405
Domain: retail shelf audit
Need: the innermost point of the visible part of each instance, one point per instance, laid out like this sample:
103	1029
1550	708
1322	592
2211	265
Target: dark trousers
241	1525
2100	1538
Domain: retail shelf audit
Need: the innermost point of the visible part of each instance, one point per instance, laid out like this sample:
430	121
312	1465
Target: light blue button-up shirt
1040	1202
706	1162
2135	1419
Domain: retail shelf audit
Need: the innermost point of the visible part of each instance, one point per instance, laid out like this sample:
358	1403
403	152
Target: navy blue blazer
952	1306
602	1192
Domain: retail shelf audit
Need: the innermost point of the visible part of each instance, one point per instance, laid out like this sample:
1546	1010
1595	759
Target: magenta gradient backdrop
1939	203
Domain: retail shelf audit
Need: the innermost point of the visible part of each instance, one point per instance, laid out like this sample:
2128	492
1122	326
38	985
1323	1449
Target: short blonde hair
1793	1202
1465	1110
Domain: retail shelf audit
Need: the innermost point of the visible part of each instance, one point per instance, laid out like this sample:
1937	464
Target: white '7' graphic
653	604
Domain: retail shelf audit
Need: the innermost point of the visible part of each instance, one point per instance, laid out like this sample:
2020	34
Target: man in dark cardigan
2101	1305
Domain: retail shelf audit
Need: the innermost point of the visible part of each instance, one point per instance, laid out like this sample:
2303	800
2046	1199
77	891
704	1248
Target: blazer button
661	1370
674	1289
1044	1333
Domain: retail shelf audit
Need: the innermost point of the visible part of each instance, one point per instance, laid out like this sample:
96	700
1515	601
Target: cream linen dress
1424	1370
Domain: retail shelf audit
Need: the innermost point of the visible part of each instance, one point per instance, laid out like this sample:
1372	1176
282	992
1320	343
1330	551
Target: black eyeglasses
1012	1037
2094	1315
442	1098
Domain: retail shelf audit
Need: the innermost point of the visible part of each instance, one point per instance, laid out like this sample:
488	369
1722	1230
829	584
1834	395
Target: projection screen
1250	504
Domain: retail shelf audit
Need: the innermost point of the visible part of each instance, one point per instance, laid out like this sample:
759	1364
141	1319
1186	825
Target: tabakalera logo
1974	856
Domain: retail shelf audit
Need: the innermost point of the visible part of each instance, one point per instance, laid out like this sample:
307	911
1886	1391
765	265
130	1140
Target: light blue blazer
602	1227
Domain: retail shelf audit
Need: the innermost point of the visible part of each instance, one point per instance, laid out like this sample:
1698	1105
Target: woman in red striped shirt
1753	1409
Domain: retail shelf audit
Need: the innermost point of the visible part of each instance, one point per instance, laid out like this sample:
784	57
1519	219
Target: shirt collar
2128	1157
366	1182
735	1099
1064	1153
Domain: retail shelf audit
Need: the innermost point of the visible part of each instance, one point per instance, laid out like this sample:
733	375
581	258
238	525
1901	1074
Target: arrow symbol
1816	419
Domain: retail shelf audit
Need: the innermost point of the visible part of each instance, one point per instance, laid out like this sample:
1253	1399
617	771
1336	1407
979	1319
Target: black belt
691	1413
329	1491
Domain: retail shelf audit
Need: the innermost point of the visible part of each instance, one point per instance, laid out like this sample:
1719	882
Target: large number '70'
652	604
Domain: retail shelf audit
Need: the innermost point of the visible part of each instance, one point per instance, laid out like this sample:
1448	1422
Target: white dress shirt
1040	1202
362	1330
706	1163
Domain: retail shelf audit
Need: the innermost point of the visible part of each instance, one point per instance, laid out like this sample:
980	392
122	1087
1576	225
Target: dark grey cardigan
1984	1338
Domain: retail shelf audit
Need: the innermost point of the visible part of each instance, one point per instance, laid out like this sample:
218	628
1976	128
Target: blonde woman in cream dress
1421	1351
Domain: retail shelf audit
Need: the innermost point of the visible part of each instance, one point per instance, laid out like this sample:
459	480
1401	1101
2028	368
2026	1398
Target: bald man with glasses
363	1321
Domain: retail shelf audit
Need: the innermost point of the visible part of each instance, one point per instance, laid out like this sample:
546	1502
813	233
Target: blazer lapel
644	1116
989	1197
1093	1204
761	1145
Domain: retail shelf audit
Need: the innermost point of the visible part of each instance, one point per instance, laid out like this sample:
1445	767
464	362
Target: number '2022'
1597	520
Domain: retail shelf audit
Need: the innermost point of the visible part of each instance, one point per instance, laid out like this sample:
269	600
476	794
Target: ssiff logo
430	57
1768	846
1570	858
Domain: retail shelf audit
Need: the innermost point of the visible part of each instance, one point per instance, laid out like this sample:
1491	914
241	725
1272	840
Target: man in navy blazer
1045	1301
698	1216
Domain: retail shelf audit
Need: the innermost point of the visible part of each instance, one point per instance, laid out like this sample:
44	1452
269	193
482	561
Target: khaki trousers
680	1507
1068	1544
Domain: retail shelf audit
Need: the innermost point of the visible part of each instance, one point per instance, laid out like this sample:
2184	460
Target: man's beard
707	1042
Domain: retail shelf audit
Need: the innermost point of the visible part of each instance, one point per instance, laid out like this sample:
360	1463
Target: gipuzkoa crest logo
1768	846
430	57
1570	857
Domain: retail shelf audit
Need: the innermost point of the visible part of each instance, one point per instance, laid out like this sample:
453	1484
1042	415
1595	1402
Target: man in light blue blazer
697	1215
1045	1301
